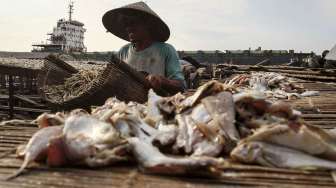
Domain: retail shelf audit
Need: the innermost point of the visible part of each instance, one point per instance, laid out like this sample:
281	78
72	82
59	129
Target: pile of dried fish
73	86
273	85
179	134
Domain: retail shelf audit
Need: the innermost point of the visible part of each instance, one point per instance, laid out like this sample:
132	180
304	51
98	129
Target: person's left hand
156	81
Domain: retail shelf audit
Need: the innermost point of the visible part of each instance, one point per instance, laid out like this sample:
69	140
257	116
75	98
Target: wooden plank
27	100
18	71
35	110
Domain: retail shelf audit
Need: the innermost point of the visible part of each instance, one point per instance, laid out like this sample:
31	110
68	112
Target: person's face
136	29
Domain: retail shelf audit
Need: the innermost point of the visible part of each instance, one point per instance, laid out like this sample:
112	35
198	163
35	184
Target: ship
67	36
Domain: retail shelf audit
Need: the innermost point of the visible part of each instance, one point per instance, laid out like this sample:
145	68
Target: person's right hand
155	81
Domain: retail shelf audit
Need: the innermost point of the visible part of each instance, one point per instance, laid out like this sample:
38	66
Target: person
330	59
322	60
189	72
192	71
147	50
313	61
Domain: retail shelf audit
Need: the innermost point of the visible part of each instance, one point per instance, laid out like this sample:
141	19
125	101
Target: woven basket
114	81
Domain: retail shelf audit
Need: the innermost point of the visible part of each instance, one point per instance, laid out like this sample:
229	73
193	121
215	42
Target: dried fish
85	136
37	146
196	138
151	160
166	135
17	122
153	111
47	120
309	139
208	89
271	85
278	156
173	135
221	109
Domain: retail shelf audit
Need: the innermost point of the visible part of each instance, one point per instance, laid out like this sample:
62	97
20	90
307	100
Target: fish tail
18	172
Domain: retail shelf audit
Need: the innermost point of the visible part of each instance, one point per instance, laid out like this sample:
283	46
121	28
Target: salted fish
222	110
46	120
278	156
84	136
151	160
197	139
309	139
153	111
37	147
210	88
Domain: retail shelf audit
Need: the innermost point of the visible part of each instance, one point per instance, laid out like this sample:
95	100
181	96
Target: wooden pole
11	97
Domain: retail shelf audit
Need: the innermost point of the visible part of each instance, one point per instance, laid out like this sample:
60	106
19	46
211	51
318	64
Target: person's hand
156	81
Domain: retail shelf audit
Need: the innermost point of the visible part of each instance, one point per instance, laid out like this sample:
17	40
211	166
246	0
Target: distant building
67	36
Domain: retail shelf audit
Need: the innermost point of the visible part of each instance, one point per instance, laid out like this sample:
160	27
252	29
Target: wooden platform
319	110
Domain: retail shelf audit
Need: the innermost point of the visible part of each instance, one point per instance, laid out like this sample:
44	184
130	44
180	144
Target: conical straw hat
114	19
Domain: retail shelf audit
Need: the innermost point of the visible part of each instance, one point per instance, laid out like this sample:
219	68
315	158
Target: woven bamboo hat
114	21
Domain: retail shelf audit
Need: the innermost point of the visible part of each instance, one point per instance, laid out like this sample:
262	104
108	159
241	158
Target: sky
302	25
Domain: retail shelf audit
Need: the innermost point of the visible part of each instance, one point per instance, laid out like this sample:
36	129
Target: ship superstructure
67	36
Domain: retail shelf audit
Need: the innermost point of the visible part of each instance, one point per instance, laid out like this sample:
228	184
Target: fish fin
333	175
18	172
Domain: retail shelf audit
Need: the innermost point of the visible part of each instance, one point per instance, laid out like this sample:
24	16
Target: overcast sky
302	25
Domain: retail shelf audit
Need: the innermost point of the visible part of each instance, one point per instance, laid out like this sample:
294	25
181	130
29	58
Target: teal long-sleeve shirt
160	59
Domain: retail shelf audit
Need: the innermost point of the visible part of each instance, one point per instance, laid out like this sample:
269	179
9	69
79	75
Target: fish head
246	152
47	120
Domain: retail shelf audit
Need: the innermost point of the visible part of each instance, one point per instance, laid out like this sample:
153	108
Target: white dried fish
311	140
196	139
222	110
153	111
200	114
37	146
272	85
310	93
47	120
85	136
151	160
166	135
210	88
277	156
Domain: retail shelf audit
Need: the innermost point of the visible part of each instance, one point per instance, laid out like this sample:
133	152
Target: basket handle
61	64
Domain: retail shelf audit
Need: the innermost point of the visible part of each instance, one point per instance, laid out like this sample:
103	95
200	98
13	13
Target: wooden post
11	97
2	81
22	84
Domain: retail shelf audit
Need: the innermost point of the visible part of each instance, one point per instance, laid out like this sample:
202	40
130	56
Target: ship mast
71	9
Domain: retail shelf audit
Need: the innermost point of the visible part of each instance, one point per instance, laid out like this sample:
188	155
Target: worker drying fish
147	51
